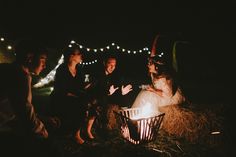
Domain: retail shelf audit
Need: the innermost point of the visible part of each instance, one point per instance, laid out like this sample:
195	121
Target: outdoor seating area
117	79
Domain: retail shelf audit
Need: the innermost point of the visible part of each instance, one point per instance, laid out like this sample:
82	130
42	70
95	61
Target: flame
141	123
146	112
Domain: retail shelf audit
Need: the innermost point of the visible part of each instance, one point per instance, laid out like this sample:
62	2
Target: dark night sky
96	22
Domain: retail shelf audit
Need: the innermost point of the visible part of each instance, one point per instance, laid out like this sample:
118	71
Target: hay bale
183	122
112	123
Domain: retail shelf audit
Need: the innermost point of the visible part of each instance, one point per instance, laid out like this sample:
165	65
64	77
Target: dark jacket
20	96
102	85
66	83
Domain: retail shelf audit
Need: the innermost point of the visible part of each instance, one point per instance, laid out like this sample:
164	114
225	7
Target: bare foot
79	140
90	135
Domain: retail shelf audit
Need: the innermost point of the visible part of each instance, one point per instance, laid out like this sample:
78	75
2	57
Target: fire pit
137	127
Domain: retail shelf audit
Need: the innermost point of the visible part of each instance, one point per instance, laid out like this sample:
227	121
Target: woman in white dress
165	96
163	91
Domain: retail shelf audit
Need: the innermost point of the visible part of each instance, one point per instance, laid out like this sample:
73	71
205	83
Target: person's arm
163	87
60	84
154	90
26	108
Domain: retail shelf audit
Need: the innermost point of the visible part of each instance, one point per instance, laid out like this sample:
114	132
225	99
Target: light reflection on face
110	65
40	65
76	56
151	67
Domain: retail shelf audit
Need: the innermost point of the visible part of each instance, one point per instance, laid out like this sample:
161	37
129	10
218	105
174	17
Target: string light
111	46
9	47
50	76
2	39
89	63
72	42
51	88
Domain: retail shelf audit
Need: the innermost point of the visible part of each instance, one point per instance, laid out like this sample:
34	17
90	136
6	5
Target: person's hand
112	89
43	134
156	91
150	88
125	90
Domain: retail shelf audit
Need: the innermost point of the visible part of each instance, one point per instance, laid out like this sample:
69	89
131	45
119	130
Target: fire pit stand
138	130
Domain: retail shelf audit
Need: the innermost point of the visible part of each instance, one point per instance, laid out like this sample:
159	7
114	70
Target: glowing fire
141	121
141	124
146	112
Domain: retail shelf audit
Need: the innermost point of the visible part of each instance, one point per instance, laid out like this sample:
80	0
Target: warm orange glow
140	125
146	112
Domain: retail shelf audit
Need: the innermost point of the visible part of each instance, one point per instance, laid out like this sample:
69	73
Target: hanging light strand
50	76
111	46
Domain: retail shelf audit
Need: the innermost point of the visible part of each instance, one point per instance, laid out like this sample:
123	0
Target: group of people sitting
73	100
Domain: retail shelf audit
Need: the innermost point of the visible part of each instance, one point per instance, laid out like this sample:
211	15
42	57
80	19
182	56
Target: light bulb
72	41
9	47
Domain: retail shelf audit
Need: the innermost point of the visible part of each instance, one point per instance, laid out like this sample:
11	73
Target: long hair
165	70
68	51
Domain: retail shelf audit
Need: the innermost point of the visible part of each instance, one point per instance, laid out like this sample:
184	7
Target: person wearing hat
165	95
69	98
163	91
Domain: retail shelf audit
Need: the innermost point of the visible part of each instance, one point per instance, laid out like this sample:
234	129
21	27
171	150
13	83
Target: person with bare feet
69	98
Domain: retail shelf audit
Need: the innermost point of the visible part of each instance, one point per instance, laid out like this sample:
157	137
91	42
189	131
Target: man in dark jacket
109	90
30	59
